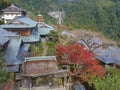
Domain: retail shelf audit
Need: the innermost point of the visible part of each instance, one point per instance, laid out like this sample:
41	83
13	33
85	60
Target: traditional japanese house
25	27
4	37
11	12
4	41
13	49
43	28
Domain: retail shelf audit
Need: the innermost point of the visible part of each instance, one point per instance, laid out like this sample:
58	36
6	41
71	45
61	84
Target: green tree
1	22
4	75
4	4
53	36
98	15
110	82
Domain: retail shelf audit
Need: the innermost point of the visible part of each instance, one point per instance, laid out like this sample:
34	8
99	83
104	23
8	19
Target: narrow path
44	52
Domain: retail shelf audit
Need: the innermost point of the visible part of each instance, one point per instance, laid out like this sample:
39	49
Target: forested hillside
4	4
100	15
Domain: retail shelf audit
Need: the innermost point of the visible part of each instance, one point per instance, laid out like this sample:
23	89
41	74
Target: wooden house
25	27
13	49
11	12
4	37
43	28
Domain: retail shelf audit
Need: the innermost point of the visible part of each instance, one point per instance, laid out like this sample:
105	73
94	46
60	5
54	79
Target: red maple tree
79	61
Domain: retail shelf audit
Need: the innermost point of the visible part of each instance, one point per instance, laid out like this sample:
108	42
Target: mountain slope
99	15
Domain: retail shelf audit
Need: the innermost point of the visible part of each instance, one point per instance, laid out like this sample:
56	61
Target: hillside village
19	33
16	36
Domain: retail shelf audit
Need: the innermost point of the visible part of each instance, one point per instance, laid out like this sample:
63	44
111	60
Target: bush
110	82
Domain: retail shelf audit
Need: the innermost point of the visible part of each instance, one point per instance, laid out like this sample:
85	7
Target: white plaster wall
10	16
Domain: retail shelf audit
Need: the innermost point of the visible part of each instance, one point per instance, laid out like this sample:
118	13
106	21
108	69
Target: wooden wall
38	68
22	32
25	33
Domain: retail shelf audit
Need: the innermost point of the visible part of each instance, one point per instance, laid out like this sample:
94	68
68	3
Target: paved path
43	40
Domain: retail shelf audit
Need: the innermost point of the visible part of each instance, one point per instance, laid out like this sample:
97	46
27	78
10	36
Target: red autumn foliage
80	60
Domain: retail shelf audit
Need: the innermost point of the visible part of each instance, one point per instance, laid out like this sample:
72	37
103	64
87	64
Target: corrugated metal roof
12	51
109	55
27	21
31	38
40	58
3	40
44	29
34	37
22	22
4	32
3	36
13	8
12	68
15	26
23	52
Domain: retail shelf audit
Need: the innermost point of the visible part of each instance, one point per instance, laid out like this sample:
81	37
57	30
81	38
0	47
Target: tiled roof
27	21
3	40
40	58
23	52
12	51
13	8
22	22
12	68
44	29
20	26
31	38
4	36
4	32
109	55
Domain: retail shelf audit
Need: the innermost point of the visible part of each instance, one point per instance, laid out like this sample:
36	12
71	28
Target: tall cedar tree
79	61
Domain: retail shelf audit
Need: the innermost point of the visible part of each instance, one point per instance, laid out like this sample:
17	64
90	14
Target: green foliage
36	49
59	81
40	81
1	22
110	82
53	39
4	75
51	48
45	80
37	7
53	36
102	15
4	4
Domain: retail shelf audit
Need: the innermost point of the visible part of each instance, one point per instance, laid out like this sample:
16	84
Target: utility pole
60	19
